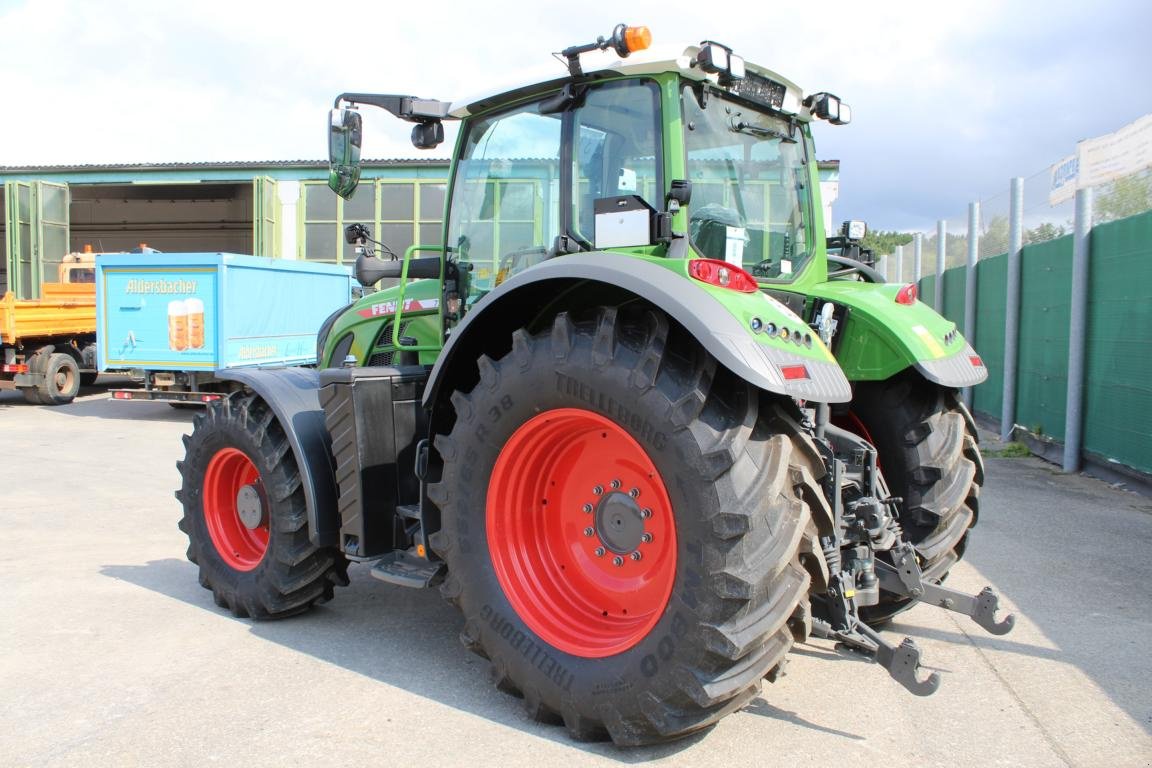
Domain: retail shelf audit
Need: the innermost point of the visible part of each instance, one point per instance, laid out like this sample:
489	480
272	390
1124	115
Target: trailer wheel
61	380
623	522
245	515
927	448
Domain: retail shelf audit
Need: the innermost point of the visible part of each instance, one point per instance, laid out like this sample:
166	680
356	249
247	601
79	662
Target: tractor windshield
750	197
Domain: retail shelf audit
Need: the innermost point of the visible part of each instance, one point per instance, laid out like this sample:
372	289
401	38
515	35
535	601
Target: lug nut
598	490
634	492
617	561
587	507
646	538
599	551
636	555
645	513
588	531
615	484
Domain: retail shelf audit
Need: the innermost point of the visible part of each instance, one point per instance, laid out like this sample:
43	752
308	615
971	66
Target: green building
281	209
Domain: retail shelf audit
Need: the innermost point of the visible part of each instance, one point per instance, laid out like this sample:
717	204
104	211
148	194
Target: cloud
949	100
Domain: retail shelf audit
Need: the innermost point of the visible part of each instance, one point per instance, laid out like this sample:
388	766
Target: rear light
121	396
722	274
907	294
14	368
793	372
976	361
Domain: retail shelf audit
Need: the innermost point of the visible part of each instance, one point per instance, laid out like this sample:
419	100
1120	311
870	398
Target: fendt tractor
634	414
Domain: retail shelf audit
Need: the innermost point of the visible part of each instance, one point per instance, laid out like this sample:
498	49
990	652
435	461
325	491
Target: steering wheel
850	267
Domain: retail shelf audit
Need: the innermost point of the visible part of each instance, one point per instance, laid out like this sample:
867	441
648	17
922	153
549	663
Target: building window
400	213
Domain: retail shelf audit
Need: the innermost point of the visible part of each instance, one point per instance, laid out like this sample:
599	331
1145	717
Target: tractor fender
882	337
293	394
717	327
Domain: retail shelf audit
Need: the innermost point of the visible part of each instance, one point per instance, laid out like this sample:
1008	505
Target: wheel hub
250	506
619	524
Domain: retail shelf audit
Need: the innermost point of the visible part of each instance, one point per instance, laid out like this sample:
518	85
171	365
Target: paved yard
111	653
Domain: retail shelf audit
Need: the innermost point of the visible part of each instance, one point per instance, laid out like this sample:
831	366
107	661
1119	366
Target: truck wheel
245	515
623	523
61	380
927	448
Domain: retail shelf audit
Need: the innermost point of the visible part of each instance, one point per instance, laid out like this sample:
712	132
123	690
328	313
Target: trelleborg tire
245	515
926	443
624	523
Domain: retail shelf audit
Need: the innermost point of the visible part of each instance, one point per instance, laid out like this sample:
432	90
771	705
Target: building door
36	225
265	217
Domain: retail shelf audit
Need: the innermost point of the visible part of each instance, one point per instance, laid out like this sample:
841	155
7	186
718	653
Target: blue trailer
174	320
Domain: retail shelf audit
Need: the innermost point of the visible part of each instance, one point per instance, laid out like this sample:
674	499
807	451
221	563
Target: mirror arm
410	108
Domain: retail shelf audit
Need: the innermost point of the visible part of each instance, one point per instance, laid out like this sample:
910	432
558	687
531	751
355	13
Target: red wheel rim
231	473
581	532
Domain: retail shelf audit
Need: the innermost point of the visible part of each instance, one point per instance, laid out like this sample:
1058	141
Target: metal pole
1077	330
970	284
1012	306
882	267
941	251
917	252
899	264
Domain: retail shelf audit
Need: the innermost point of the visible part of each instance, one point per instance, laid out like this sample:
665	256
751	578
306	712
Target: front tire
246	518
623	525
926	443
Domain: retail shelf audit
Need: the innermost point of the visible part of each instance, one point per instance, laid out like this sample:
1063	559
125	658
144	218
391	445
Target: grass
1012	450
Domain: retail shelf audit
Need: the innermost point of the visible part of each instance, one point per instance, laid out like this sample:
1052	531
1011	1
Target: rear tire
246	518
61	380
927	448
640	650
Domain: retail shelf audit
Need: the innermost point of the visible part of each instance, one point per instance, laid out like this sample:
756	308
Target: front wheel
623	527
245	515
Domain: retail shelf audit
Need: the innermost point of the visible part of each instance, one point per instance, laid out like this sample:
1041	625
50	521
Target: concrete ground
111	654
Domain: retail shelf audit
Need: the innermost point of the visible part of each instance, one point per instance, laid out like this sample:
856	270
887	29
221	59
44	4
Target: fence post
941	252
1077	330
1012	306
899	264
970	284
917	251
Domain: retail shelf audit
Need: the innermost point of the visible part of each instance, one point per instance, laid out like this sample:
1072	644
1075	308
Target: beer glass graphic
195	310
178	325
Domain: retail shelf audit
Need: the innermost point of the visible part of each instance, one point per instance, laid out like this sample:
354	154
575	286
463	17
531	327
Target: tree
994	240
1126	197
884	243
1043	233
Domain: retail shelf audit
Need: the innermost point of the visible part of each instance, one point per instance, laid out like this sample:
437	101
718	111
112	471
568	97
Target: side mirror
344	137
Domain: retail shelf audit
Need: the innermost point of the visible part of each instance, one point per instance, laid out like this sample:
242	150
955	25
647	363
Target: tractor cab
697	155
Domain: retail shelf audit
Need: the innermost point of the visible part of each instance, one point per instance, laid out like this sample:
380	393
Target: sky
950	100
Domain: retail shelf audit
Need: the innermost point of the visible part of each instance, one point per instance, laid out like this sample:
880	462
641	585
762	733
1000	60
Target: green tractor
635	414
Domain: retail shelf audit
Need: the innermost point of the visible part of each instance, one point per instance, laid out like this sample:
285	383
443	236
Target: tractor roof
600	65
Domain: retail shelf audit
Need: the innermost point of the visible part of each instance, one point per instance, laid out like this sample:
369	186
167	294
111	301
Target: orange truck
48	345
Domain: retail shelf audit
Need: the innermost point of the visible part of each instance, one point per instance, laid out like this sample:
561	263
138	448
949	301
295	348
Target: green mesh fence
954	296
1118	363
1042	367
927	290
991	279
